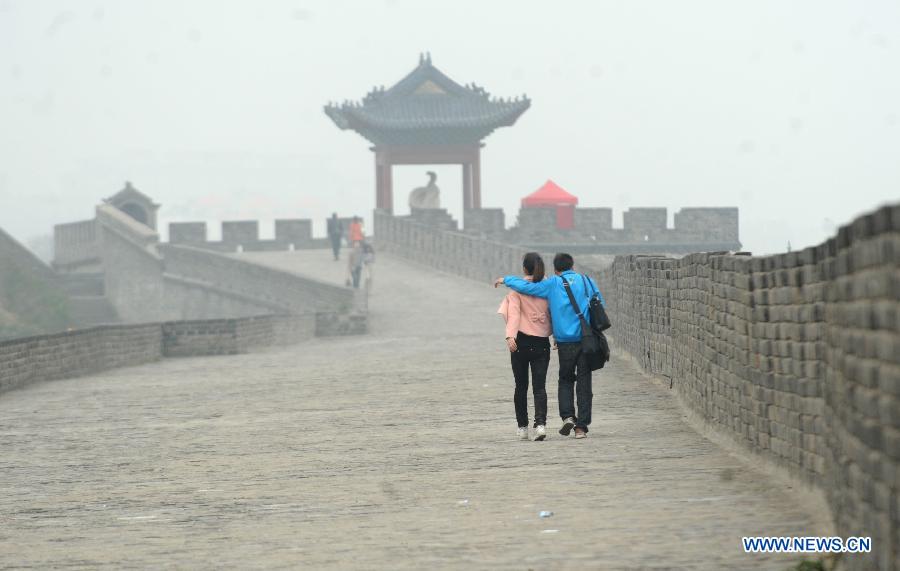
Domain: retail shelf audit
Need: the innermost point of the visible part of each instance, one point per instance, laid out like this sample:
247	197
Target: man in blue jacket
574	370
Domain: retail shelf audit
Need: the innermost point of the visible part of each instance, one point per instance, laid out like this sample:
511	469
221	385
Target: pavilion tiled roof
427	107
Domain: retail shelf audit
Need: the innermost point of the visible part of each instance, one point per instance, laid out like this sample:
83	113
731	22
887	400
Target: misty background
788	110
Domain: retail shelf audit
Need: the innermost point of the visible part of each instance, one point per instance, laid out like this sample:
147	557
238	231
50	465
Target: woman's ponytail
534	266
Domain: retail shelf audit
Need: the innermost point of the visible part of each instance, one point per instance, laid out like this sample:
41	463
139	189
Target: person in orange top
356	233
528	329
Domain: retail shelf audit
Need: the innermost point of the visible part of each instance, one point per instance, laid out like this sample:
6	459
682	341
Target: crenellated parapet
644	230
243	235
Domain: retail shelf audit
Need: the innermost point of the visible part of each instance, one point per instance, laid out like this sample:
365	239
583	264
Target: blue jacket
566	326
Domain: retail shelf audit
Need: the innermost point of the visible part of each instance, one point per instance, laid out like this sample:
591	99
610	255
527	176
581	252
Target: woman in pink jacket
528	331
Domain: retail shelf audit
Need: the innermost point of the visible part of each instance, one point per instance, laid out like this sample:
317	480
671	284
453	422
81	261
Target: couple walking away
534	309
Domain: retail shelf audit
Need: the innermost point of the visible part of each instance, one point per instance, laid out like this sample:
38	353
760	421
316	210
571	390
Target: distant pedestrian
355	265
528	339
335	234
574	368
356	231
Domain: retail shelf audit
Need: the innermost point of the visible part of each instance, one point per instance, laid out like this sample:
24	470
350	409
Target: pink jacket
525	313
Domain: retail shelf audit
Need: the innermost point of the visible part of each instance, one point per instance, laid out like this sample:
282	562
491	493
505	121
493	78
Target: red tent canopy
551	194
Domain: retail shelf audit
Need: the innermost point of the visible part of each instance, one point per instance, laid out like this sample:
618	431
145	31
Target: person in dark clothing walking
335	234
528	338
574	370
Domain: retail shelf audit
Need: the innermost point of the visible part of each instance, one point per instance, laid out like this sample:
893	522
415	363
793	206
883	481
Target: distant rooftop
427	108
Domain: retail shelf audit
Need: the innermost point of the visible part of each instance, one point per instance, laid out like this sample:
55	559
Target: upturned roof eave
359	118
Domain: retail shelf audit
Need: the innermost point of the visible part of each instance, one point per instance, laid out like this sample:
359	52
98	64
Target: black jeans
574	381
535	352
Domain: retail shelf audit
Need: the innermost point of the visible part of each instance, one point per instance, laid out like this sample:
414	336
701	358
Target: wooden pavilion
427	118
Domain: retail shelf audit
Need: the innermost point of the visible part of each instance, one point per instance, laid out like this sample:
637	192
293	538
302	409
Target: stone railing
796	356
446	250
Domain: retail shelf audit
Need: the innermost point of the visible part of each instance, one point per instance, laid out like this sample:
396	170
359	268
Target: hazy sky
789	110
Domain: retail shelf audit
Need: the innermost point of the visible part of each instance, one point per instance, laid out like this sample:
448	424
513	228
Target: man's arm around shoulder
539	289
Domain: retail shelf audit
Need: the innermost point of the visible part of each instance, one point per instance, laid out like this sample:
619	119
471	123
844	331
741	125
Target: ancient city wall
796	356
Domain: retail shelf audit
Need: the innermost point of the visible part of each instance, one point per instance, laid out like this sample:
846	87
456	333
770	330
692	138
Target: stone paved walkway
390	451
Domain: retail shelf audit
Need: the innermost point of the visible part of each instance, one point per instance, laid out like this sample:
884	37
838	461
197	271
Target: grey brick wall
77	353
231	336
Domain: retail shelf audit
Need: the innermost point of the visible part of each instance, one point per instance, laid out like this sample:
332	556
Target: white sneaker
540	433
568	425
522	433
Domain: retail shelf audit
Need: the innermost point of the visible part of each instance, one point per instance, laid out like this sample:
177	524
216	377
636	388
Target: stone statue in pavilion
426	197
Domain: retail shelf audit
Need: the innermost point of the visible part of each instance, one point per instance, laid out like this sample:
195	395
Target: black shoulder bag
593	342
599	319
